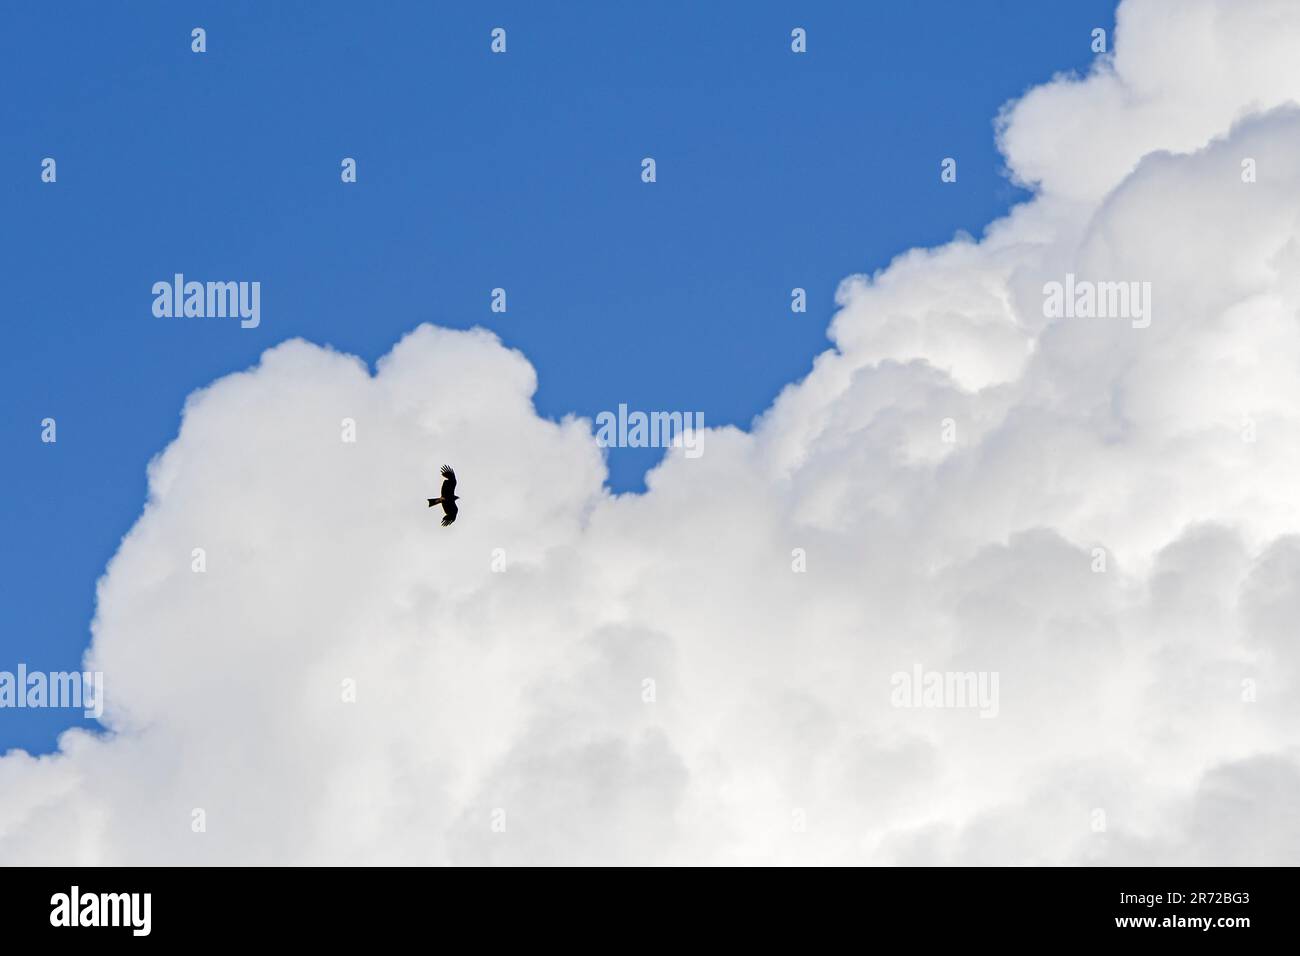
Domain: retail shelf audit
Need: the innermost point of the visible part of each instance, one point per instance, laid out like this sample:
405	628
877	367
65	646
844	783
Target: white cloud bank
1120	692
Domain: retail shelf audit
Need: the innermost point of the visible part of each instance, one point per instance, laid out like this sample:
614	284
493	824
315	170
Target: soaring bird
448	498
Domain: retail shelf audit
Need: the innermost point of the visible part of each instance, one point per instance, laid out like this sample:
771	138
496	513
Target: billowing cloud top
1102	516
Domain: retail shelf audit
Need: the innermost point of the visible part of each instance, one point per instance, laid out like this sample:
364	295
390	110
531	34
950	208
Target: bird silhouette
448	498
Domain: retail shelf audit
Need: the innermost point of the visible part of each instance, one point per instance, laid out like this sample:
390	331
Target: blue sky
475	171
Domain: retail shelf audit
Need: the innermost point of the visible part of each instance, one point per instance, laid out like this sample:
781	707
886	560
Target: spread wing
449	511
448	485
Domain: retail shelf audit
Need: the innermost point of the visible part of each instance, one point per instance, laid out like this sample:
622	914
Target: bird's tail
434	501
